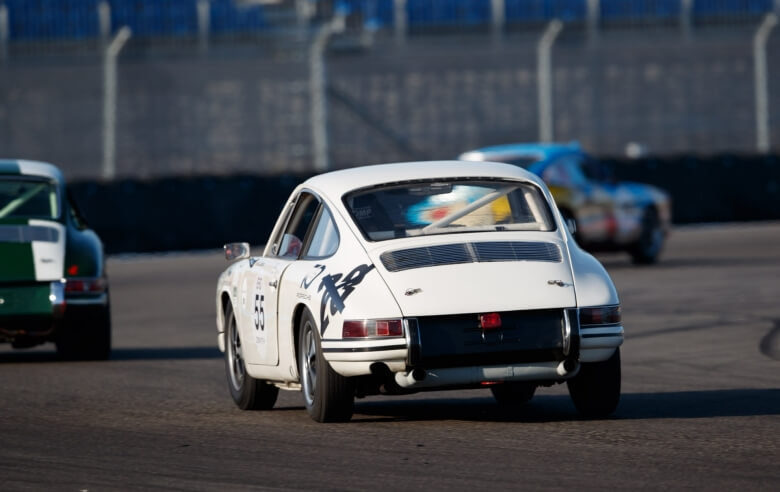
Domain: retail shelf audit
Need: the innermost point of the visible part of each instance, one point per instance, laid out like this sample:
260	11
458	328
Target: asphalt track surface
700	406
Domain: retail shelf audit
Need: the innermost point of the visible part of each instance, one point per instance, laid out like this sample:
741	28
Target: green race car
53	284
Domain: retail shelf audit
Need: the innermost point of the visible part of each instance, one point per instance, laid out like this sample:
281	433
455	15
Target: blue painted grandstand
41	20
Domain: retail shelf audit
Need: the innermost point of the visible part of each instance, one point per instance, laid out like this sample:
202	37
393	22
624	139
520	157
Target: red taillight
73	270
372	328
607	315
489	321
85	285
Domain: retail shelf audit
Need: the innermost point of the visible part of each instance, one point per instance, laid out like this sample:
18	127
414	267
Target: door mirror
236	251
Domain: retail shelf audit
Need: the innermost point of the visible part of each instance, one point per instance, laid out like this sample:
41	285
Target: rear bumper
35	311
535	346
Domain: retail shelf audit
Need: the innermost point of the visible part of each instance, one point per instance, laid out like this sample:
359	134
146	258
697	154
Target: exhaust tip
569	365
418	374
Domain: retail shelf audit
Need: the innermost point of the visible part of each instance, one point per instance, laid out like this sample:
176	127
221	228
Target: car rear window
448	206
22	197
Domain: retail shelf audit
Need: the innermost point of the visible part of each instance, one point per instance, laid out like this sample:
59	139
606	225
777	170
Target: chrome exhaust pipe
406	380
566	367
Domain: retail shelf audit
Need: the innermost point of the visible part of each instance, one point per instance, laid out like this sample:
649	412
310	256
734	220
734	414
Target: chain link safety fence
277	86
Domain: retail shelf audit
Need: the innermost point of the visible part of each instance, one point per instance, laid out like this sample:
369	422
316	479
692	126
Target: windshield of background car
22	197
448	206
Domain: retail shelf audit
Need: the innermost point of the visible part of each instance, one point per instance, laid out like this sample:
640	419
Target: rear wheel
513	394
248	393
647	248
595	390
85	334
328	396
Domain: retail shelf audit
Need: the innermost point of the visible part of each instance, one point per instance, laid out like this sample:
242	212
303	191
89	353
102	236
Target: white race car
398	278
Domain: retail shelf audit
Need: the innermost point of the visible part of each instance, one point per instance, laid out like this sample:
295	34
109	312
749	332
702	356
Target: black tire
85	334
647	249
248	393
595	390
513	394
327	395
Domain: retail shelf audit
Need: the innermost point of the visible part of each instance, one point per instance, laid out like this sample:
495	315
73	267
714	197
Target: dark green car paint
9	167
83	250
17	263
26	300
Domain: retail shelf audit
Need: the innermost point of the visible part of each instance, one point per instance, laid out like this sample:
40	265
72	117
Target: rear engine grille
486	251
458	341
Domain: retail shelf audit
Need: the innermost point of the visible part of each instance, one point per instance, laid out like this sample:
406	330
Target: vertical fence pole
317	86
544	79
104	21
203	8
304	11
400	20
4	31
593	19
762	81
498	17
110	100
686	17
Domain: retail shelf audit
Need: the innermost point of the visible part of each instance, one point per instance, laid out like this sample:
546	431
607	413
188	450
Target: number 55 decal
259	312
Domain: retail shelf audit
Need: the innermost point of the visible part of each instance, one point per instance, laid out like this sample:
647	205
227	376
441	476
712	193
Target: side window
325	240
290	243
75	216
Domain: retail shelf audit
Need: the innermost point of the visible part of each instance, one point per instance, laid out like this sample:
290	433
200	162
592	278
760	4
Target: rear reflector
606	315
85	285
489	321
368	328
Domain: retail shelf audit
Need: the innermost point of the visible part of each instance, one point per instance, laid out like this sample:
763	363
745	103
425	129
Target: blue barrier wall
205	212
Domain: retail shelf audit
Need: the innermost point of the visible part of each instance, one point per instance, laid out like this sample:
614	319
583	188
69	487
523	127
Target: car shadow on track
633	406
121	354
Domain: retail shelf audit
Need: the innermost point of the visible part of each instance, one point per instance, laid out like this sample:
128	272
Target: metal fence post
762	81
104	21
544	79
304	11
204	23
317	86
400	20
498	16
4	31
110	101
686	16
594	18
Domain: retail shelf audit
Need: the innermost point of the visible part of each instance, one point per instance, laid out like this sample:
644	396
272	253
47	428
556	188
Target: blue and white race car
609	215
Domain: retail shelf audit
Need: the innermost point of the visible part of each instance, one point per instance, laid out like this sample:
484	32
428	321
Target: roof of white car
337	183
